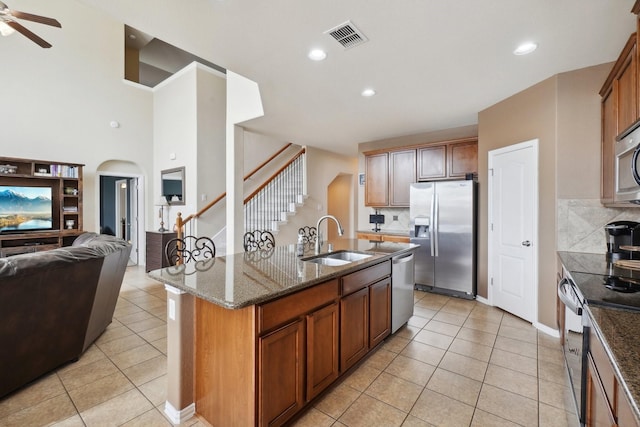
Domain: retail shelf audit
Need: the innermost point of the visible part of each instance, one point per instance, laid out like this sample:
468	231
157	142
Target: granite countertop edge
334	272
401	233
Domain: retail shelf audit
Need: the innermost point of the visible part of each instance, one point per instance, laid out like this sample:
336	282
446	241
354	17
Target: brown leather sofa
54	304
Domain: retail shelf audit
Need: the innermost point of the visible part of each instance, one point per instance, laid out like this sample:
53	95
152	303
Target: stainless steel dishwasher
402	283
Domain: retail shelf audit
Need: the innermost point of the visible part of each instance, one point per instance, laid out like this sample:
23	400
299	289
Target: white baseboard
179	416
547	330
482	300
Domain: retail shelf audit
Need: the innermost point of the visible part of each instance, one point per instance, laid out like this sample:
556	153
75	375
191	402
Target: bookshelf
64	180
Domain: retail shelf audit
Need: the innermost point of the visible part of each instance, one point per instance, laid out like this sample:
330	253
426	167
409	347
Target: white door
513	227
133	220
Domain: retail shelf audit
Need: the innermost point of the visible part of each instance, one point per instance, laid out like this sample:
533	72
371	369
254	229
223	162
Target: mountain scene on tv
25	208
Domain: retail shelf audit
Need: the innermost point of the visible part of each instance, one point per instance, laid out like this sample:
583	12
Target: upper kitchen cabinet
376	185
390	173
388	176
620	110
449	160
402	171
463	159
432	162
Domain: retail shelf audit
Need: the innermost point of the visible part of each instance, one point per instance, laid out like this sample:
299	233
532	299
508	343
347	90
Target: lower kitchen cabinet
607	403
365	312
322	349
281	370
598	409
354	328
379	311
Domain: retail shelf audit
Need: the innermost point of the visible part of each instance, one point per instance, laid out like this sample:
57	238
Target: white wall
175	137
57	103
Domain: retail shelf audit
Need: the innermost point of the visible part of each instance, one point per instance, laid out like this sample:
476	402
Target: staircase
271	204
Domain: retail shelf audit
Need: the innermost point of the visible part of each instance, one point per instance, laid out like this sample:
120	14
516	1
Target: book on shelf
64	171
70	209
41	174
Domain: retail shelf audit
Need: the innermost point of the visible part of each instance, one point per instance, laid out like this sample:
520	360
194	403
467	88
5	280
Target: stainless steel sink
328	261
337	258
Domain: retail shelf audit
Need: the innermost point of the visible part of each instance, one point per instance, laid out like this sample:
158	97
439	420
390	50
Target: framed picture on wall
361	178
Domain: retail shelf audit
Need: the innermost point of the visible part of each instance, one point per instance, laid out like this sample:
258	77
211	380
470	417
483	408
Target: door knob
526	243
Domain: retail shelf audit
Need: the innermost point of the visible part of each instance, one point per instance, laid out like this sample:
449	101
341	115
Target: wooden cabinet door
354	328
402	170
624	413
598	410
322	349
432	162
281	374
376	183
379	311
627	90
608	143
463	159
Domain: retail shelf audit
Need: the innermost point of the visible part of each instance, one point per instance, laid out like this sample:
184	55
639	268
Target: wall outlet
395	217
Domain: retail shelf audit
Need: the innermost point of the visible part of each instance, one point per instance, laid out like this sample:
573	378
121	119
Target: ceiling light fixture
525	48
368	92
317	55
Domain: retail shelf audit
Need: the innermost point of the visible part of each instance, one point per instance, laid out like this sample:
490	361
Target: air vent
347	35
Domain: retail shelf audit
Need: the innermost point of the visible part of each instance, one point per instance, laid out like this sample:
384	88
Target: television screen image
24	208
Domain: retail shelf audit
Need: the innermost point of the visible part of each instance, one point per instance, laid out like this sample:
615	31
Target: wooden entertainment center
65	181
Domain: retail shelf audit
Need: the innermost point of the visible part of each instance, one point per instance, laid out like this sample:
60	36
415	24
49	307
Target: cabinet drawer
358	280
603	366
279	311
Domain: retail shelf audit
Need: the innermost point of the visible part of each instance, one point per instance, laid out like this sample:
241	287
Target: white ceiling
434	63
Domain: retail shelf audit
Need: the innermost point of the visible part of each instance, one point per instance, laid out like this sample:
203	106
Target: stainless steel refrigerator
443	222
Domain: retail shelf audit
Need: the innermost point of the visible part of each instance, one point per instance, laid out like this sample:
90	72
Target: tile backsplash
581	222
401	224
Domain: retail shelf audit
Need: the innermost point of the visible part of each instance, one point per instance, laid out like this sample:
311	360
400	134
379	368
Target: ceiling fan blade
25	32
35	18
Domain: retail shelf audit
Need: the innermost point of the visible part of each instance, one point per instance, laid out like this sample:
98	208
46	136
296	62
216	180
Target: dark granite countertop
617	328
239	280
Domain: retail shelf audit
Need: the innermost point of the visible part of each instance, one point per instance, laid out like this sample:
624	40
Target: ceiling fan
8	23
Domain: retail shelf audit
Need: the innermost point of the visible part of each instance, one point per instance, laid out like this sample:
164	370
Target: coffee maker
621	233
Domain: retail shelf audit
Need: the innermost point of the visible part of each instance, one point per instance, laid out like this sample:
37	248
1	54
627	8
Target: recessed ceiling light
368	92
525	48
317	54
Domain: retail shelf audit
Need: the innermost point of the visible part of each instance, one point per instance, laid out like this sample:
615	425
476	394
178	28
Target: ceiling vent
347	35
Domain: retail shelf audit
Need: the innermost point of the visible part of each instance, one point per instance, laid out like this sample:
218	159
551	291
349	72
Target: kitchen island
253	338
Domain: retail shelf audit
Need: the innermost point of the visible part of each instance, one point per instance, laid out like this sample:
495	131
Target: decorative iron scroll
258	240
188	249
309	234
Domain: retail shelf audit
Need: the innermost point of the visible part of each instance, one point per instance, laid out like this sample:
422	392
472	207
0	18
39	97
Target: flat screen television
25	208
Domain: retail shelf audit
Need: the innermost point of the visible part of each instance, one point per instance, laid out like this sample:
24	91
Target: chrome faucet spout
319	242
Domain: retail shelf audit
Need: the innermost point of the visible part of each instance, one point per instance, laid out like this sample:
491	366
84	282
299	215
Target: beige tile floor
457	362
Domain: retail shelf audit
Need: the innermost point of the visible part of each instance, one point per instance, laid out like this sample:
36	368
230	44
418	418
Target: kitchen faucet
319	238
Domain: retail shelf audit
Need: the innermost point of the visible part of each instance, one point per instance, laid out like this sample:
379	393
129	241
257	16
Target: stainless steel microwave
628	168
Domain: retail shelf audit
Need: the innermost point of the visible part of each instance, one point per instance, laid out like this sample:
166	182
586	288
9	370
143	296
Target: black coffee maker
621	233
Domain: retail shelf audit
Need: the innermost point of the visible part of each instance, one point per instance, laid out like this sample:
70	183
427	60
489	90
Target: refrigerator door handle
433	224
436	222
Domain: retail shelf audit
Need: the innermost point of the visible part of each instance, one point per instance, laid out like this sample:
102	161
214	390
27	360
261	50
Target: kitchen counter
239	323
240	280
401	233
617	328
